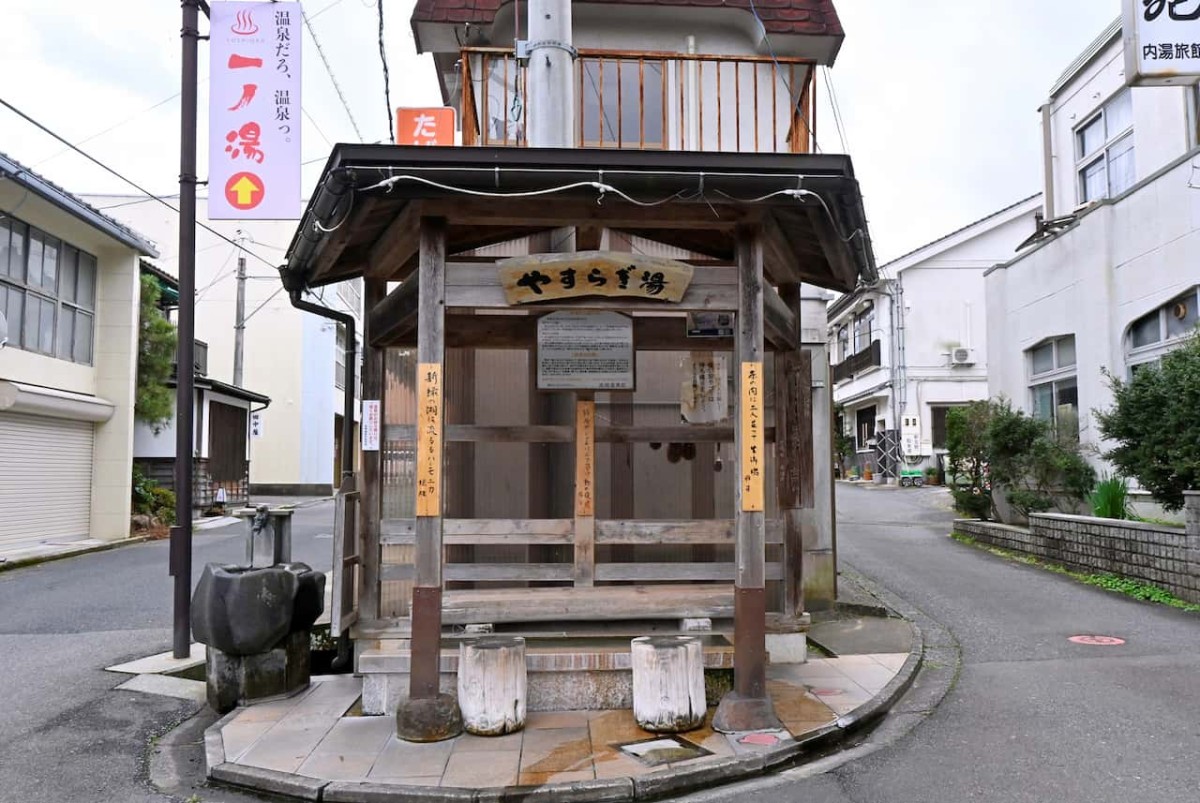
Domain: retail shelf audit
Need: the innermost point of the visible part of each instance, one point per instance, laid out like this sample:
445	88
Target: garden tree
153	404
994	446
967	472
1155	422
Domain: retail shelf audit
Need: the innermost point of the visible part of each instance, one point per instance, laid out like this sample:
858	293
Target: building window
623	104
1054	392
843	343
1104	151
339	358
864	325
864	433
937	416
1157	332
47	293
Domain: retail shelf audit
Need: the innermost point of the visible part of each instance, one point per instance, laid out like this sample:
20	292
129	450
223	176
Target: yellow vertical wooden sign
585	469
429	439
754	464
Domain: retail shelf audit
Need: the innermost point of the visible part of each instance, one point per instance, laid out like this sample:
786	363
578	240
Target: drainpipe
1048	159
347	320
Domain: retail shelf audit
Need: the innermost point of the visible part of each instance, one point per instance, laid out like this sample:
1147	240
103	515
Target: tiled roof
40	185
804	17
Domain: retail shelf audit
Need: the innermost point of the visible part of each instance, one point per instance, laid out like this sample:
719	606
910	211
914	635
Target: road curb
33	560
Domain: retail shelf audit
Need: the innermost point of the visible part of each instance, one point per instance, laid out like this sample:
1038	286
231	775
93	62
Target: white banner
1162	42
254	111
370	425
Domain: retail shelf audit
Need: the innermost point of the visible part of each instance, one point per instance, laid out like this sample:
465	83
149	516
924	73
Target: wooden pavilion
427	229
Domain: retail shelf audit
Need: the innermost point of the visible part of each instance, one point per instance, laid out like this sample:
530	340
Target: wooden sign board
583	350
429	439
585	469
553	277
754	463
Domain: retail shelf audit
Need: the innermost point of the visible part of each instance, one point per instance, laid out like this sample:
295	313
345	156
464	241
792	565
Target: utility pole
551	102
239	327
185	364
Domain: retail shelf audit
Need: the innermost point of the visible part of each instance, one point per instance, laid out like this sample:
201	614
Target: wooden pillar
748	707
585	490
371	481
428	716
793	439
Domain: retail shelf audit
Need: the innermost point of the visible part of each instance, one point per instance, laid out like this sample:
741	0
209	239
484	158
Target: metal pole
239	328
181	533
551	75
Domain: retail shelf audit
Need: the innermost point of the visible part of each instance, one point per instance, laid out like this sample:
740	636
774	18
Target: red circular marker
1098	641
830	692
244	190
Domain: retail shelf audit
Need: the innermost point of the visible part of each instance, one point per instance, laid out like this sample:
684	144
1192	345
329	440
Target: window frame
1056	379
1102	154
1138	356
56	298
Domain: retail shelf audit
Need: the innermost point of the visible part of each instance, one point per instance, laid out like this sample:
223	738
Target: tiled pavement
319	735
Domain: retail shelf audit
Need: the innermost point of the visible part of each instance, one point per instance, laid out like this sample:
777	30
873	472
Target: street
64	734
1032	717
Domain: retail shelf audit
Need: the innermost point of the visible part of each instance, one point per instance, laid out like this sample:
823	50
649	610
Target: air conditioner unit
962	357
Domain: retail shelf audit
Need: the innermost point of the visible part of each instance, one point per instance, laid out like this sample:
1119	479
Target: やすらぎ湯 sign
553	277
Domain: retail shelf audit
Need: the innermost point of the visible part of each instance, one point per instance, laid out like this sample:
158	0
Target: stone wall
1166	557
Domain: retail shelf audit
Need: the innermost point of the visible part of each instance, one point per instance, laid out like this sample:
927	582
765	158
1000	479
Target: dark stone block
243	611
432	719
310	595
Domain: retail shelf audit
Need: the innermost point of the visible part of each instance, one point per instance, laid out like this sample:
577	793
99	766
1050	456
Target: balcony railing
870	357
652	100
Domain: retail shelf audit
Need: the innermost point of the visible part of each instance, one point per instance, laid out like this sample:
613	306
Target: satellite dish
3	331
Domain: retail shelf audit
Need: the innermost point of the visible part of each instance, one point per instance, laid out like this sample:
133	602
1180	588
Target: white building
69	292
1113	284
295	358
914	344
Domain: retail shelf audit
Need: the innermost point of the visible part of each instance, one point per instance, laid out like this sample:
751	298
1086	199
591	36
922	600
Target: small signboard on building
552	277
425	126
254	111
585	351
710	324
371	425
1162	42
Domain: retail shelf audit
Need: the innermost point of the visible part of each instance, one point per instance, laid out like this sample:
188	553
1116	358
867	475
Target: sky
938	98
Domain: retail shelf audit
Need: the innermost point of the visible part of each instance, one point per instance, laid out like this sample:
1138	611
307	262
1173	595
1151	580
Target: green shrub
151	499
1110	499
972	502
164	504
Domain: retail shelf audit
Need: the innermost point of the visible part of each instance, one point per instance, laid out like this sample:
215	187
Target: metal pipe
1047	111
185	361
347	320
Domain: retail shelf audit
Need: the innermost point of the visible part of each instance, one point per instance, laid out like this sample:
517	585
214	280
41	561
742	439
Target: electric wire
120	176
387	86
601	187
329	69
779	70
837	111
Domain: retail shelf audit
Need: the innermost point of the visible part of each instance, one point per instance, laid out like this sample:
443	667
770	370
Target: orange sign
244	190
430	126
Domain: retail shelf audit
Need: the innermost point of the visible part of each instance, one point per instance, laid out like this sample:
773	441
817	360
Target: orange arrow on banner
244	190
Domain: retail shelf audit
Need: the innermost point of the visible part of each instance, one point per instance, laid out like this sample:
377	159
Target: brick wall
1166	557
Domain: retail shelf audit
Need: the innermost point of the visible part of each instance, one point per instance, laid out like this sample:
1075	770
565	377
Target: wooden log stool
668	683
491	685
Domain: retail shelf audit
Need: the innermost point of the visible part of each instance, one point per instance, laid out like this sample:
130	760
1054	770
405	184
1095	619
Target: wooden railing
870	357
347	561
652	100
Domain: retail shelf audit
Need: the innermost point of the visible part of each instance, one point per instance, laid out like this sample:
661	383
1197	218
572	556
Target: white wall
1163	127
1120	261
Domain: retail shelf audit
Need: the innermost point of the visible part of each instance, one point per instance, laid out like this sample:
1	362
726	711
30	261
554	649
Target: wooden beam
476	286
712	531
550	212
599	603
587	238
337	242
394	317
520	332
837	252
779	322
585	490
561	433
398	244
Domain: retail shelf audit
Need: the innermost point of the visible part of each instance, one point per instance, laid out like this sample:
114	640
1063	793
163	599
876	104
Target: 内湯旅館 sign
554	277
1162	42
584	350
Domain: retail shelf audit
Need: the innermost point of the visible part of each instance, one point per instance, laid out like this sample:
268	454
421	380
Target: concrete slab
161	664
861	635
166	686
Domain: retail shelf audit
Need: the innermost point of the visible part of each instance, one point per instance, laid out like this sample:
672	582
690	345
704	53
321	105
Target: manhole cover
827	692
762	739
1098	641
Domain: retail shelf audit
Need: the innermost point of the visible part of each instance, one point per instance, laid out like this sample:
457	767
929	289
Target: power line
304	111
325	60
779	70
387	86
128	181
837	111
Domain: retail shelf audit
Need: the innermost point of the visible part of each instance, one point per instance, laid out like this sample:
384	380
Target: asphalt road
1032	717
64	734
